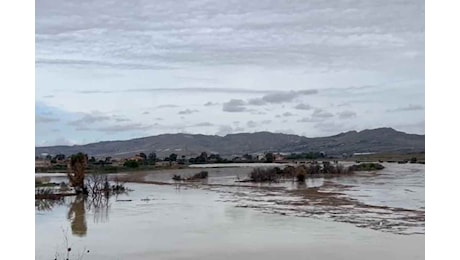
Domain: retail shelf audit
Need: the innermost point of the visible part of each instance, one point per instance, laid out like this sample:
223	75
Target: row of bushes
300	172
198	176
367	167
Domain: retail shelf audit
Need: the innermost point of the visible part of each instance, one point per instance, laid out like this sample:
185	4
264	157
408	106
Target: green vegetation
198	176
269	157
308	156
299	173
367	167
131	164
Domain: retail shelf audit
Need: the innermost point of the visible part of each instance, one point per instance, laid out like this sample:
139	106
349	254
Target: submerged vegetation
93	185
367	167
198	176
298	173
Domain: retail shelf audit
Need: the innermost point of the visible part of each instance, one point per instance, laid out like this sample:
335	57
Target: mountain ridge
369	140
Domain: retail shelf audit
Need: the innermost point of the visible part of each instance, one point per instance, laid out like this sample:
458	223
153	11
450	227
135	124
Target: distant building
137	158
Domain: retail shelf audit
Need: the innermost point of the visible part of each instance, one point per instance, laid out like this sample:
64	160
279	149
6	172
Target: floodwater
363	216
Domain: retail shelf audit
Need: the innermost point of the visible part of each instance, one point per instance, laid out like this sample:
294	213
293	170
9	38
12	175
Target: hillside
375	140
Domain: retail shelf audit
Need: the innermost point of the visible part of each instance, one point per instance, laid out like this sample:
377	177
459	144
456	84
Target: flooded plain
370	215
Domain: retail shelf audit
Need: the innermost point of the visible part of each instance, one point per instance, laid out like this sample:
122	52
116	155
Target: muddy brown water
363	216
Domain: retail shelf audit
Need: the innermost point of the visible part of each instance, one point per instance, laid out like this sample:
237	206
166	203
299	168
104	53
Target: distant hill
375	140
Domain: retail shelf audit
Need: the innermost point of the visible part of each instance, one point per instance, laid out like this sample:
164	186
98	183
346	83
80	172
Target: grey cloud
407	108
251	124
319	113
123	128
277	97
48	96
281	97
211	104
145	112
203	124
287	114
89	119
194	89
346	114
265	122
258	112
187	111
256	102
234	105
309	34
45	119
309	120
302	106
84	64
285	37
181	90
167	106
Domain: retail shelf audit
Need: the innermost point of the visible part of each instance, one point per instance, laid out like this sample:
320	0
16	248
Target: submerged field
368	215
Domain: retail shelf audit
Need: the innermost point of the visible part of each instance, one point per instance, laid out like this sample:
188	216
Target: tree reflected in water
97	203
77	216
47	205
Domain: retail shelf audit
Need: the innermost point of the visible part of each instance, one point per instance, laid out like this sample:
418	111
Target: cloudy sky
111	70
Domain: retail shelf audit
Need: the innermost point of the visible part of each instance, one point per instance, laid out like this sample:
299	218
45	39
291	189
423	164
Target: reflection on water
77	216
78	208
99	205
47	205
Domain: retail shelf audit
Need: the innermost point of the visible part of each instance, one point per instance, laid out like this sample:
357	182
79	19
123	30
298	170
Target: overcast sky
111	70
